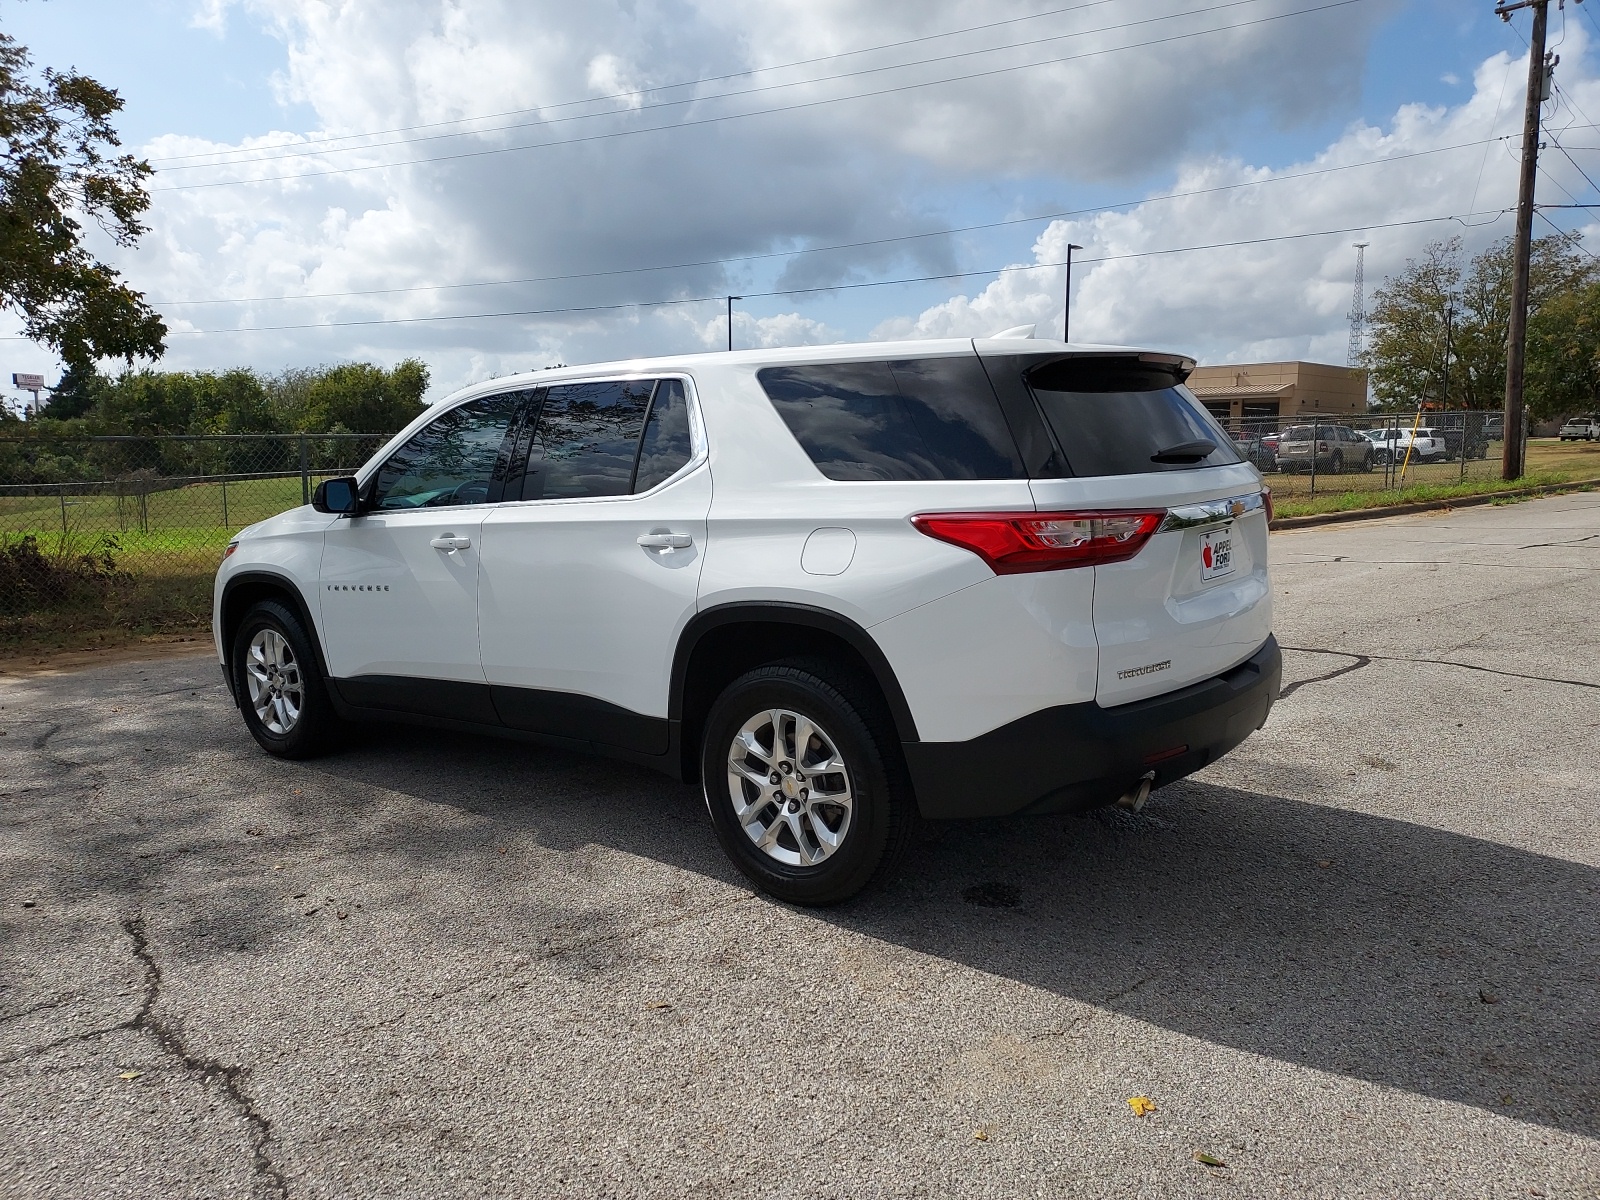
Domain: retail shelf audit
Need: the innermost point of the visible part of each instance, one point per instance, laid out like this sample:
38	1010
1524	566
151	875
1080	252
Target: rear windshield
1118	416
931	418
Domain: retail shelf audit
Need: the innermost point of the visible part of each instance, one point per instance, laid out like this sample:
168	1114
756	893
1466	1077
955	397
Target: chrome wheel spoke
272	677
789	787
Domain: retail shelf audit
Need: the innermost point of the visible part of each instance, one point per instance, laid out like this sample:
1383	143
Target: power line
665	87
312	151
802	105
838	287
714	262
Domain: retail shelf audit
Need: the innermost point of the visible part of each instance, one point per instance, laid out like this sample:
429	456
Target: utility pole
1066	316
1511	461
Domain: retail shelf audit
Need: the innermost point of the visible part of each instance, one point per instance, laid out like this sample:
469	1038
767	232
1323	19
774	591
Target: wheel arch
722	642
250	587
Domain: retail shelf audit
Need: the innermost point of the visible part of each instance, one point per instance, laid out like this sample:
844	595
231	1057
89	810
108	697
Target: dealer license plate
1216	553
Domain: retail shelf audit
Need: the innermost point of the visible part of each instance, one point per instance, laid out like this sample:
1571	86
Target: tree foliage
57	165
1412	310
349	397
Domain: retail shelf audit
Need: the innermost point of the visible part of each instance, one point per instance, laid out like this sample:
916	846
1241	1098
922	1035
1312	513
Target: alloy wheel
790	787
277	692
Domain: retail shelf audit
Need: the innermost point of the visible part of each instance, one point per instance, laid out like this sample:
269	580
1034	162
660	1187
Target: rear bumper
1077	756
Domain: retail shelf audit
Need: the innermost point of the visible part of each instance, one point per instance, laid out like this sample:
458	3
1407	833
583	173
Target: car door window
586	440
667	445
450	460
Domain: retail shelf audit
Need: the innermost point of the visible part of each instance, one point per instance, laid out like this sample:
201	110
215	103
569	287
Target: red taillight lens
1266	502
228	553
1013	542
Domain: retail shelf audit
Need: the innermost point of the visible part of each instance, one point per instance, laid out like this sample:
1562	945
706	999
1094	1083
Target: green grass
1306	506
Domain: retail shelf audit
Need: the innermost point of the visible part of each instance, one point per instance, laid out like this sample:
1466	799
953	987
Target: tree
1407	351
56	163
363	398
1564	355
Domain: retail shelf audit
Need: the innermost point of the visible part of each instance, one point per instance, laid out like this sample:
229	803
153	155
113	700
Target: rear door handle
665	541
450	542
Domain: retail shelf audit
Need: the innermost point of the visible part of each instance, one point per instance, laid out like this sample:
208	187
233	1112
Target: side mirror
337	496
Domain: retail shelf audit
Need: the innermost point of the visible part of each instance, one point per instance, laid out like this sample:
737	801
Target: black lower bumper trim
1077	756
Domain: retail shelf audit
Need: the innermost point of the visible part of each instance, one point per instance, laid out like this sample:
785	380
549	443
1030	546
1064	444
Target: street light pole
1066	316
731	299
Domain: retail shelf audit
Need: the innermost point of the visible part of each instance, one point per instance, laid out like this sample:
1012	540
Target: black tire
848	712
316	725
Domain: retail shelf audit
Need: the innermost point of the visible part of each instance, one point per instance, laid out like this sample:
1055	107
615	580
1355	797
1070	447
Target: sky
500	185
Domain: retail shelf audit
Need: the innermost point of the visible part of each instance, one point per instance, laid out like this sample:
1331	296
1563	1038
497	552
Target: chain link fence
129	530
1319	455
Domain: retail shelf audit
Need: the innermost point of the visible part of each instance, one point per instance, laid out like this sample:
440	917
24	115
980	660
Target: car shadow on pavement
1407	956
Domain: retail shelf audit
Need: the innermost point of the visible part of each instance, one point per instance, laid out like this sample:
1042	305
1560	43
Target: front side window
450	460
934	418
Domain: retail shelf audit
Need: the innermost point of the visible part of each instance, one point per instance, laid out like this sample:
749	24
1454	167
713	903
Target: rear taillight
1013	542
1266	502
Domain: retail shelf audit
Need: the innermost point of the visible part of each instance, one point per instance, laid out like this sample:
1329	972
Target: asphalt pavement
1356	958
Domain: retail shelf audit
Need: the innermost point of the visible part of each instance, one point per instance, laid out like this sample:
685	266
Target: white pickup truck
1586	429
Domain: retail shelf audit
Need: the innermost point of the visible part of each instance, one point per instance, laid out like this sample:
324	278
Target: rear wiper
1184	452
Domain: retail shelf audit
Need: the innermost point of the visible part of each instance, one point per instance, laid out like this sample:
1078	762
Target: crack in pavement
1564	542
1436	662
37	1008
272	1181
41	739
1361	660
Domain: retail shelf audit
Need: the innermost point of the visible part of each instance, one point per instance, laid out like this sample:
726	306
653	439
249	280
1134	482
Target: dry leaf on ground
1142	1106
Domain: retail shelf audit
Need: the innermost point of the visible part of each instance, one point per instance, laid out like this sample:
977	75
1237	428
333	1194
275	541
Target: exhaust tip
1134	800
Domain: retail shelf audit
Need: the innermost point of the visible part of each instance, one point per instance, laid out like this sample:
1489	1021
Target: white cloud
1282	298
580	219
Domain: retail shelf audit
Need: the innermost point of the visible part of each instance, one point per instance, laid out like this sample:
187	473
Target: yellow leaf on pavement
1210	1160
1142	1106
130	1074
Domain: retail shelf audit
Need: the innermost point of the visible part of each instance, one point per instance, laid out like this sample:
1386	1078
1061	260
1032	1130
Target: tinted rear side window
585	440
913	419
667	446
1115	416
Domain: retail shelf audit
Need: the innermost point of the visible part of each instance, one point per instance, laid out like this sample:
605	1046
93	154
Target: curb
1285	524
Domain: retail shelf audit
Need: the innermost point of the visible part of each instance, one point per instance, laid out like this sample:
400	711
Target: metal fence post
1464	418
62	494
305	472
225	504
1316	428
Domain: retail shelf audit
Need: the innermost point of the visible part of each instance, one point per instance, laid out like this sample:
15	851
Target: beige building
1270	392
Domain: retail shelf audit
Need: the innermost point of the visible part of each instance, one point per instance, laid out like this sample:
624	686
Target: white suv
839	587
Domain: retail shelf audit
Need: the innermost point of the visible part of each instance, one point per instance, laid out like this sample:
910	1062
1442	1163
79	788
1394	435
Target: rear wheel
803	781
279	684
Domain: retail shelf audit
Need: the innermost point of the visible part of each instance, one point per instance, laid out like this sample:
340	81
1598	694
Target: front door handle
450	543
665	541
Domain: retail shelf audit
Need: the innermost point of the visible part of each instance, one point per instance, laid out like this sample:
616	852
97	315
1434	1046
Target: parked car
1494	427
1463	434
947	579
1585	429
1338	448
1261	450
1426	445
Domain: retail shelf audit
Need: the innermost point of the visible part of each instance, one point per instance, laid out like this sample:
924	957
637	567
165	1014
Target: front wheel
803	781
279	684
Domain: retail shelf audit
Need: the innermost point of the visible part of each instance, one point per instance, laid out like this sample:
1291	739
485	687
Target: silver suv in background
1339	448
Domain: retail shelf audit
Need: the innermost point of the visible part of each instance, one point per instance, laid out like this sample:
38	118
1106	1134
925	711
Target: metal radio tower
1358	309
